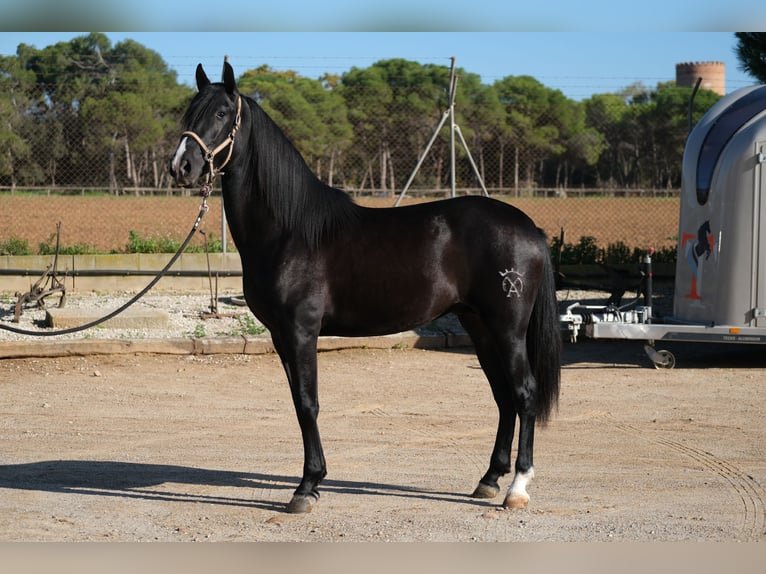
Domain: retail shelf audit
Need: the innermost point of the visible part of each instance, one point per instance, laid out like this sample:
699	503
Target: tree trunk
367	174
52	171
155	170
481	161
391	173
13	172
500	165
383	167
331	167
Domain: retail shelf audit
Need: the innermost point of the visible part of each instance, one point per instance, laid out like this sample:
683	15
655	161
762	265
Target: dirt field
104	222
143	448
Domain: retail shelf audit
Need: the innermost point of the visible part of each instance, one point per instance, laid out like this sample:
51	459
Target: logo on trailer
694	247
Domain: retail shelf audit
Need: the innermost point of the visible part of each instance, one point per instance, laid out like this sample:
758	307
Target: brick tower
713	75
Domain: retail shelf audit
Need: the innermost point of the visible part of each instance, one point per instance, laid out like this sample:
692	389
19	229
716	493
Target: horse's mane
299	201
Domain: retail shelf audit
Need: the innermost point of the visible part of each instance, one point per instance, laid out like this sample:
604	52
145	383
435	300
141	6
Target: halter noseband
228	142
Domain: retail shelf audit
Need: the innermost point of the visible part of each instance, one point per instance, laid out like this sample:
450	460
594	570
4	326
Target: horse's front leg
299	358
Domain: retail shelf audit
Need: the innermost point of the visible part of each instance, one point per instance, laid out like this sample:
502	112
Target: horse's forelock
196	108
200	105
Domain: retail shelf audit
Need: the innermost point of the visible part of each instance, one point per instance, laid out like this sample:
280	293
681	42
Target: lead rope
205	193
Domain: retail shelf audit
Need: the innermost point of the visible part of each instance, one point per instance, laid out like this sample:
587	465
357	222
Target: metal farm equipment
47	285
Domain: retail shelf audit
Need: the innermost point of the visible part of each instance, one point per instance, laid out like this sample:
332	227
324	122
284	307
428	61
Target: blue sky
388	15
578	63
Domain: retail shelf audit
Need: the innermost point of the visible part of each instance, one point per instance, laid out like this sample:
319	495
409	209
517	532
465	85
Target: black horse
315	263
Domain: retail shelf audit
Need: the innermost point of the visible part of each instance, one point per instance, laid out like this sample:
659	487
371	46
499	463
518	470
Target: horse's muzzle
182	168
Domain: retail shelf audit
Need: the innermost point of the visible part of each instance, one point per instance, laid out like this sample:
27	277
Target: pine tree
751	52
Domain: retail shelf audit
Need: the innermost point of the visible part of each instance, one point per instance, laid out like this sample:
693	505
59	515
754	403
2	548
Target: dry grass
103	222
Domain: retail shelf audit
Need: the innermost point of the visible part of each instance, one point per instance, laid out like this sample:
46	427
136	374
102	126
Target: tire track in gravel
748	490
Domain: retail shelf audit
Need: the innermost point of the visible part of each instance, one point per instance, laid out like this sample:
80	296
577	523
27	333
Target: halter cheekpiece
210	154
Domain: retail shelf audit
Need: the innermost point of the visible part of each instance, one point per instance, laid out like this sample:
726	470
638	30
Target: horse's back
458	235
404	266
477	217
491	232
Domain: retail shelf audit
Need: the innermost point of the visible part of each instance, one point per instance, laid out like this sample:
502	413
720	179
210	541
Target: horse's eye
220	115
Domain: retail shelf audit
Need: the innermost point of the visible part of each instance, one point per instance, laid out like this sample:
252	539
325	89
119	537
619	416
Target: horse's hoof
301	504
516	501
485	491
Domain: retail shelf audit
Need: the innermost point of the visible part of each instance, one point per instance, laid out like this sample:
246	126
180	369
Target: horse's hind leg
517	496
503	357
524	395
492	365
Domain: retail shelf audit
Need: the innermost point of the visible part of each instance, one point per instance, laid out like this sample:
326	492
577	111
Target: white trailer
720	275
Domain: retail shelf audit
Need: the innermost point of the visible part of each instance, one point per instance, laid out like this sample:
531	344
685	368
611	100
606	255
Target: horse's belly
385	313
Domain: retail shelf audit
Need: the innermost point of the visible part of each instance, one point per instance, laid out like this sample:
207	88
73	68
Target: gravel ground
154	447
148	447
187	314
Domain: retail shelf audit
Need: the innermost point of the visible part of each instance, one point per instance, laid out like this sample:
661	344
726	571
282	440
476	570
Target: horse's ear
202	79
228	77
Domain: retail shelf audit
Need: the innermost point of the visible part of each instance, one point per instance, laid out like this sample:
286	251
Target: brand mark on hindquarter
513	282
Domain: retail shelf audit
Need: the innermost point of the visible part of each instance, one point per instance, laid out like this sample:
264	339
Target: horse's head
211	123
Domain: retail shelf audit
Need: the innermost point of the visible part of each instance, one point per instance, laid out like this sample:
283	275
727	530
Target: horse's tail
544	342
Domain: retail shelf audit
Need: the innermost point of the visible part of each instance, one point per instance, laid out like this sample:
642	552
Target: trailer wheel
664	360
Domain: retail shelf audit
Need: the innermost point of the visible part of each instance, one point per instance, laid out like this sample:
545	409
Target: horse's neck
247	215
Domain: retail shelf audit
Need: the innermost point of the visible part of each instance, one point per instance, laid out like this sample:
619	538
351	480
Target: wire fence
594	226
612	178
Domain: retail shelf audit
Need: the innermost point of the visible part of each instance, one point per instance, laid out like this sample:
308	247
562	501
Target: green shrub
586	251
14	246
76	249
665	255
213	245
618	253
247	325
138	244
